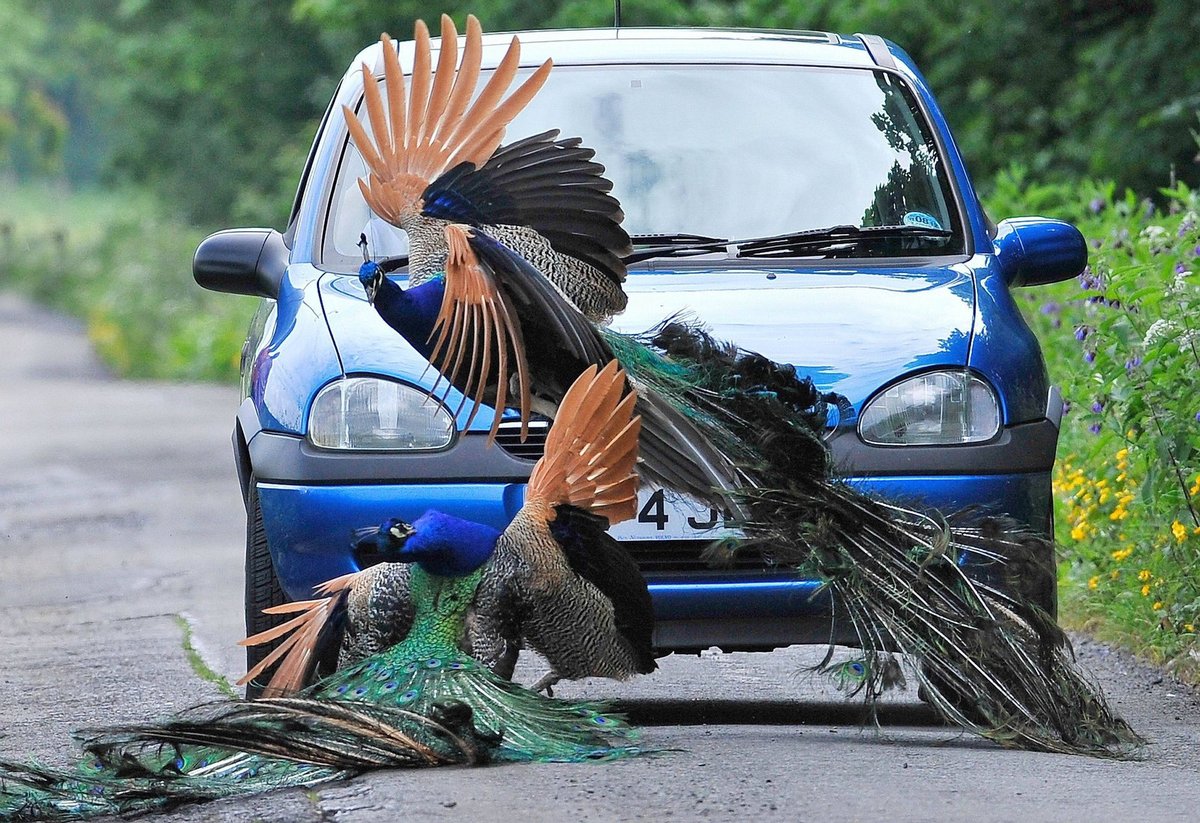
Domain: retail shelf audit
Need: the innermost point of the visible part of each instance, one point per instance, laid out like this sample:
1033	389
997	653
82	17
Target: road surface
121	540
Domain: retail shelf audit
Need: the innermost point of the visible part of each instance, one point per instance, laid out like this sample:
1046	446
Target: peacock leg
547	682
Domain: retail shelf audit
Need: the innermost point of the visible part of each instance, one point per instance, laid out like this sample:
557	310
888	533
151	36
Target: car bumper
309	519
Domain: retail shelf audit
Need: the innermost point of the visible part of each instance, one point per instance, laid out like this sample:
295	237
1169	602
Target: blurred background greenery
130	128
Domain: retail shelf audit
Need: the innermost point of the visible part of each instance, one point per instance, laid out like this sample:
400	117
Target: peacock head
381	544
371	275
441	544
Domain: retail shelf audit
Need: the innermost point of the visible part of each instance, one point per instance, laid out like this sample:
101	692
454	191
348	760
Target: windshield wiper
834	240
679	244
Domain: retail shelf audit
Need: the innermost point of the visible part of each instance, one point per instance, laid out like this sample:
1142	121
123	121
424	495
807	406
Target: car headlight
935	408
372	414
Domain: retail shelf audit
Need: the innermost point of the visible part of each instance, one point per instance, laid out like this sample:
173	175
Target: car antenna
616	14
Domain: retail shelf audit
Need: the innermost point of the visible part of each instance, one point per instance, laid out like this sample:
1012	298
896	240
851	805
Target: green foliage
211	101
1122	342
113	260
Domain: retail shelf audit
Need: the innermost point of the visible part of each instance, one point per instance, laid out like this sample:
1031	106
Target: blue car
814	145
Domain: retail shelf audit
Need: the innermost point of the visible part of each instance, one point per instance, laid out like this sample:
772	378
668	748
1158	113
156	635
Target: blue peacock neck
413	311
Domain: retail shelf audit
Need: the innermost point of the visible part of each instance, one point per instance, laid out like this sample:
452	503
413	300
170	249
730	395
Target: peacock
467	204
500	322
554	580
420	702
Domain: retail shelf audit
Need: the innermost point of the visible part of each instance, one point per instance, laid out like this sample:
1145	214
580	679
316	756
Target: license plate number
663	515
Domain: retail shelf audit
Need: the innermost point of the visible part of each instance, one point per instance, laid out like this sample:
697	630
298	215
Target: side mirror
1037	250
242	261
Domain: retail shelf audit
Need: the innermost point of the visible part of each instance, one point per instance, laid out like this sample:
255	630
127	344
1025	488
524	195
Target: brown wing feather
415	136
295	652
591	450
472	303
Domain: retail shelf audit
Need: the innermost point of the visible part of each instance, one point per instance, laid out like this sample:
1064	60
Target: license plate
664	515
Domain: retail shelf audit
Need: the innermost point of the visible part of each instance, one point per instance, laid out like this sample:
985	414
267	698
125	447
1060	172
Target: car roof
658	45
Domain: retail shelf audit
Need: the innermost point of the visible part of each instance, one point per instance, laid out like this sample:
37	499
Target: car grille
659	556
508	437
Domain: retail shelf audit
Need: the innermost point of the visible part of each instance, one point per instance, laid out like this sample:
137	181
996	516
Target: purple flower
1094	428
1049	308
1180	268
1198	417
1089	357
1132	363
1081	333
1066	407
1056	323
1097	407
1097	205
1196	251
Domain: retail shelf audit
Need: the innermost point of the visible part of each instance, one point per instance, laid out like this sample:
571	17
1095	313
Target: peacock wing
354	616
585	479
554	188
594	555
501	319
433	124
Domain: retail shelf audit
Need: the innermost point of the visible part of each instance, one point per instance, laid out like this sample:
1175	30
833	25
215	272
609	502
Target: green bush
112	259
1122	342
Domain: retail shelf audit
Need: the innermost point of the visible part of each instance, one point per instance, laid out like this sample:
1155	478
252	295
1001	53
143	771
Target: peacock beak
372	287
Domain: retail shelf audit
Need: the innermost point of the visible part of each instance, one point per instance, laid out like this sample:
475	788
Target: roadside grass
115	260
199	667
1122	342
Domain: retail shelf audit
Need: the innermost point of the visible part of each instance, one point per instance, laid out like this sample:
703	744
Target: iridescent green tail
235	748
524	725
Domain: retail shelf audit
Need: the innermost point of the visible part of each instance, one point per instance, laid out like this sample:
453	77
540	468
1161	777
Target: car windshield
727	152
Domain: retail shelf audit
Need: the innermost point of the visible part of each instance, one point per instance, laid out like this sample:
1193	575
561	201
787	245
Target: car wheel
262	586
1035	578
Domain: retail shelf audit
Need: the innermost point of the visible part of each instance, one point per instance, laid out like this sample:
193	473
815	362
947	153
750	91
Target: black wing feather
551	186
595	556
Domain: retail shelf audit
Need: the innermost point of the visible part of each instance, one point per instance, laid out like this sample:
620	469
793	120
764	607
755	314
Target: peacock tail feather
419	703
988	661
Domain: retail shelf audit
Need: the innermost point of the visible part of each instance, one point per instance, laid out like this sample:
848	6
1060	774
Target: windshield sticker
920	218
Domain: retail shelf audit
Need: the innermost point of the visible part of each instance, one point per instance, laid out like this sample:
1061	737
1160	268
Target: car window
723	151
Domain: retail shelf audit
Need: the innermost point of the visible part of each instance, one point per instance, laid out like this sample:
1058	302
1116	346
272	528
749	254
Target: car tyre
262	586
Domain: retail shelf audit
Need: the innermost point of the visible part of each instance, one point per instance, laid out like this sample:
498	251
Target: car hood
851	330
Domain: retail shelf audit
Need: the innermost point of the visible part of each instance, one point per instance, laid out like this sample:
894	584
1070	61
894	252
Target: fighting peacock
511	270
420	702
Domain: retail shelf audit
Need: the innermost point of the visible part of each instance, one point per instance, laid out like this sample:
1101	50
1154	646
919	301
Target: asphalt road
121	535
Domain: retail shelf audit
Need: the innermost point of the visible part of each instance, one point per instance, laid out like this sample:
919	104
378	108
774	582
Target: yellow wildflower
1146	590
1144	575
1189	628
1114	574
1079	532
1122	454
1121	554
1157	605
1093	582
1180	531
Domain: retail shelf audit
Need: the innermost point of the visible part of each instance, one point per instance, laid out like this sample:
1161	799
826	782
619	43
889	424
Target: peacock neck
413	311
440	607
